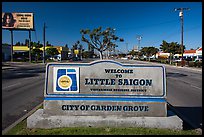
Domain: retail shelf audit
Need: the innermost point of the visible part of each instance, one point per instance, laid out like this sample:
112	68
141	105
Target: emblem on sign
65	82
66	79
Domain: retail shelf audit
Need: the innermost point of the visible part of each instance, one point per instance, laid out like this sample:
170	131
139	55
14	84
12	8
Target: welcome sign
105	88
105	78
104	93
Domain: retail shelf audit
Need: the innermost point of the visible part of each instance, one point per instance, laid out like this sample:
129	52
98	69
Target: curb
4	68
179	67
21	119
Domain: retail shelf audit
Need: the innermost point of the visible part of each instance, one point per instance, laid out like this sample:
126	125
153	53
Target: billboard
21	21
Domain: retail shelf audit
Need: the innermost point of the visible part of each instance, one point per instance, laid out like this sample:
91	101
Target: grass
21	129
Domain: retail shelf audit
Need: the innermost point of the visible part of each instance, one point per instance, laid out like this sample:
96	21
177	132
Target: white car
177	60
124	58
198	60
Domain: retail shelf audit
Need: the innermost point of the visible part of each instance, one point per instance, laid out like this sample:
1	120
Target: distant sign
22	21
76	51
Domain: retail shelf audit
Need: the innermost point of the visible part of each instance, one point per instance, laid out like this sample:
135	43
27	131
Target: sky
154	21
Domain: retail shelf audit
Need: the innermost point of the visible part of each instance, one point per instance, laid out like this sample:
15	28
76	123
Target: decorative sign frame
104	78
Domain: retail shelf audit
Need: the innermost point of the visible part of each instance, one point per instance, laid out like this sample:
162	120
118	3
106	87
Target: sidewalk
190	68
7	65
184	67
13	65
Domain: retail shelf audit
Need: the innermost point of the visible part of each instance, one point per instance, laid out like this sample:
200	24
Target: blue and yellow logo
66	80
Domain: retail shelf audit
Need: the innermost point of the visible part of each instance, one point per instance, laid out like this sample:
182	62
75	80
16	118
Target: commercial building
191	55
6	52
63	51
162	55
199	53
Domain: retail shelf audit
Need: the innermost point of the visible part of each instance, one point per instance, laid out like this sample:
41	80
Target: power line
149	25
193	28
168	36
174	34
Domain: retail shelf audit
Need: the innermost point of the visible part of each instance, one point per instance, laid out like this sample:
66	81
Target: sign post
30	58
11	45
44	44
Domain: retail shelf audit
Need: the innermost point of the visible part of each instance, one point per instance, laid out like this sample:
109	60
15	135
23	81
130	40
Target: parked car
75	59
21	58
124	58
196	60
177	60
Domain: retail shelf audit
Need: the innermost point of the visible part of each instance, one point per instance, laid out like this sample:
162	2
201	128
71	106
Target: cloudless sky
154	21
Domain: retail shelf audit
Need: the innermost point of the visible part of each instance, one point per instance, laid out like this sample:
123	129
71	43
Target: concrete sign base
41	120
105	108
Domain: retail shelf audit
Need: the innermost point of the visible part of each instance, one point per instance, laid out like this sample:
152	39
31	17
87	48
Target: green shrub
191	64
164	61
198	64
178	63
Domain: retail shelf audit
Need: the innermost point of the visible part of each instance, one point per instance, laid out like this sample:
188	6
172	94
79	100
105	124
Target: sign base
105	108
41	120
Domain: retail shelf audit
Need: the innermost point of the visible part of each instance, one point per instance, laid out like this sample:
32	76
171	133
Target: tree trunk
101	55
170	61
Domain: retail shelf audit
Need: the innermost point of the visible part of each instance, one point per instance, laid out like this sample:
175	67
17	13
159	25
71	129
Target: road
184	91
23	85
22	90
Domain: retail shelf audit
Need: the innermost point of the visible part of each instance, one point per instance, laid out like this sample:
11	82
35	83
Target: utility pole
81	51
30	46
181	16
44	44
11	45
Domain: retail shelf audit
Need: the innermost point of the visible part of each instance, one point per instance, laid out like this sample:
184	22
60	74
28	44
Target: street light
126	48
139	38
